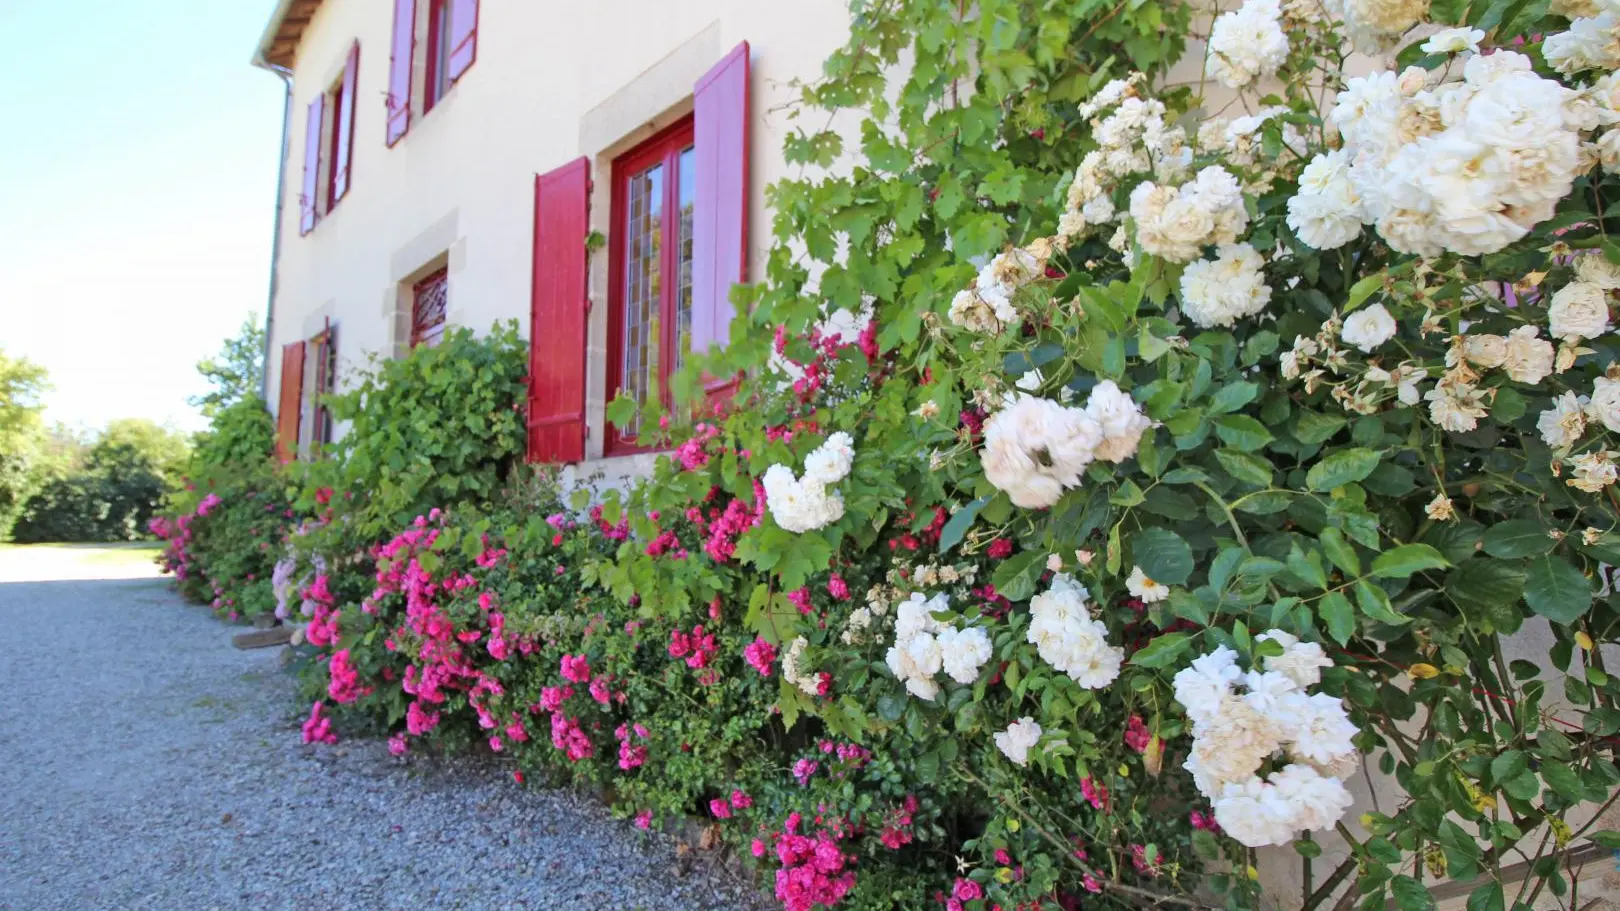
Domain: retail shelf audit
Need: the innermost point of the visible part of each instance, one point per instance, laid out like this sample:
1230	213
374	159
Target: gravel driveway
147	764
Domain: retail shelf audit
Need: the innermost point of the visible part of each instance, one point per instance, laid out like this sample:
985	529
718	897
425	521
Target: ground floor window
430	298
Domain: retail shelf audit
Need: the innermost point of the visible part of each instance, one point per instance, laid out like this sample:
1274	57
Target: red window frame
427	329
334	152
664	148
437	84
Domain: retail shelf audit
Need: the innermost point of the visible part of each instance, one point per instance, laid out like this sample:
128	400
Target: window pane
687	173
643	234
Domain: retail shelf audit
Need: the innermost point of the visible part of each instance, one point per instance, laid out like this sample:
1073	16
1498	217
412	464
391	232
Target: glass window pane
643	241
687	174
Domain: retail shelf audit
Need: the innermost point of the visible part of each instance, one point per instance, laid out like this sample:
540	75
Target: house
444	162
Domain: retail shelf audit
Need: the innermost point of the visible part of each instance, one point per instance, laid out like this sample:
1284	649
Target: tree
236	372
106	491
22	382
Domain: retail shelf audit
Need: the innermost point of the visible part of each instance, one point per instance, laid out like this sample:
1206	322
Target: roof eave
278	45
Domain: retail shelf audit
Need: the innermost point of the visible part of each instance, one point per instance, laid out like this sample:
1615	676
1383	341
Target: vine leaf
1556	590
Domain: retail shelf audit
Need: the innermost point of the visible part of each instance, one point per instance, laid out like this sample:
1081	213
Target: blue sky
137	192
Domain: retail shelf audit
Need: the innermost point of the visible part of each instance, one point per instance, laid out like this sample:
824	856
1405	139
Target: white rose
1368	328
1454	40
1529	359
1579	310
1595	269
1016	741
1605	402
1145	589
1563	424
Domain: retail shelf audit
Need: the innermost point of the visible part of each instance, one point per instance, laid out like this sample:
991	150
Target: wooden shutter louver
463	37
290	411
307	213
720	209
559	309
401	53
344	125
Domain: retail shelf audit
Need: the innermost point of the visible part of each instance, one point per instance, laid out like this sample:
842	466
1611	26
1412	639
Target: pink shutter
720	211
312	165
345	125
401	53
463	36
558	312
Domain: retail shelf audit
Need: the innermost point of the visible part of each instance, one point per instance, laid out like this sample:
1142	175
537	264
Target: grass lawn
45	561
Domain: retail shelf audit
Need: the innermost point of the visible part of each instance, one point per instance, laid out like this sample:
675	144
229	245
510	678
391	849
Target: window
323	349
341	99
650	299
438	58
429	299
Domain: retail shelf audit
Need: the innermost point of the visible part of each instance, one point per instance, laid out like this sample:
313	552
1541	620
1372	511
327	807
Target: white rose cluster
1467	166
987	306
1015	741
1068	638
1579	310
1176	223
1132	139
924	646
1592	42
1373	25
1241	719
1216	293
1035	448
794	671
1247	44
806	504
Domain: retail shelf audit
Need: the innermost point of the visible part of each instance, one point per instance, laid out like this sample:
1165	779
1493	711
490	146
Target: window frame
664	147
332	155
325	354
436	82
429	335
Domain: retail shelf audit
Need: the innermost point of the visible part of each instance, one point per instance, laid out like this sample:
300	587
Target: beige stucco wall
552	82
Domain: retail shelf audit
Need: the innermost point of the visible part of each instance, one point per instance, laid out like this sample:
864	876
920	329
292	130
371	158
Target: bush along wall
1186	467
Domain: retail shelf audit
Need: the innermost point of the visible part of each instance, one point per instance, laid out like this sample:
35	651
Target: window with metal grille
650	258
429	299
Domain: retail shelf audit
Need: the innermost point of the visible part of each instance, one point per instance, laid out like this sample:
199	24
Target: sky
138	155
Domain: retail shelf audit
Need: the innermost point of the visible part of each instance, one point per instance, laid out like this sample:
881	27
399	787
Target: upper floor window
430	298
329	145
650	256
448	45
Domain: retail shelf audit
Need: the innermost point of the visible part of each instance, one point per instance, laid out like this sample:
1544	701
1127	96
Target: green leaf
1487	590
1375	605
1518	538
1410	895
1556	590
1361	290
1233	396
1339	616
1562	779
1015	578
953	531
1401	562
1508	764
1340	468
1340	551
1486	898
1608	839
1240	431
1244	467
1162	554
1161	651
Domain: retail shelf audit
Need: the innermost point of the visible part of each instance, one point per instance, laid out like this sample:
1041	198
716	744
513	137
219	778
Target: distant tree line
61	484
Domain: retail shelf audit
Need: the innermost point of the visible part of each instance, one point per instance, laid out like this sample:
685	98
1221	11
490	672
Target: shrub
107	491
439	426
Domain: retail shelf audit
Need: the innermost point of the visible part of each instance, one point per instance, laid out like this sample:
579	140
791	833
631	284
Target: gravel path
146	764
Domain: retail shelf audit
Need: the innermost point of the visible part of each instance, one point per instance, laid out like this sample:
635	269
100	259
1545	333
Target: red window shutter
344	127
289	413
402	51
720	209
312	165
557	316
463	36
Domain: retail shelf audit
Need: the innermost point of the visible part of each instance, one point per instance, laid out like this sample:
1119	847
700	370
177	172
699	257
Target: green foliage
22	382
108	490
441	425
239	433
236	373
